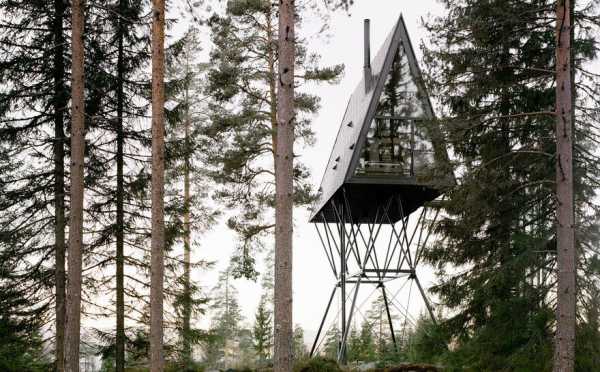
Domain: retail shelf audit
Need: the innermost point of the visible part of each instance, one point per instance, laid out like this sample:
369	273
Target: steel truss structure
372	254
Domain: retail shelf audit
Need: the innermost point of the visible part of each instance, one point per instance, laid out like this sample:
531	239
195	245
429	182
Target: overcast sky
313	279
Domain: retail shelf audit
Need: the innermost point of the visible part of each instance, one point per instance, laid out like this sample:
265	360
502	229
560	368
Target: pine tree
284	187
566	254
499	233
243	85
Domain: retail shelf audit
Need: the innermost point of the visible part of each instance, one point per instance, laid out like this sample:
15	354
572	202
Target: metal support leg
367	270
343	269
352	307
312	350
425	299
389	315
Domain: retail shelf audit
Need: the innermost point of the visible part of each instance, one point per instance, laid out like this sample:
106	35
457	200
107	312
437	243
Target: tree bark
564	354
284	184
158	170
272	80
76	214
60	104
120	229
187	309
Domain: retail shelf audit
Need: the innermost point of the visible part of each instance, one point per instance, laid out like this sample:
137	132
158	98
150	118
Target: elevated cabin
386	146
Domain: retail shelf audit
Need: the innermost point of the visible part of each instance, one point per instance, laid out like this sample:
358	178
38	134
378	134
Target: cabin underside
374	203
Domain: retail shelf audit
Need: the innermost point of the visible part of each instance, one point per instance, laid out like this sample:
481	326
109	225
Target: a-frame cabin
386	144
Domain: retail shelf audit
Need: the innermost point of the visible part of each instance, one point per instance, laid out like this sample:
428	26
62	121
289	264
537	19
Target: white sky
312	276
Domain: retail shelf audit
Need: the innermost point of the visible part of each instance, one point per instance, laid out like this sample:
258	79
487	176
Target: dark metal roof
353	131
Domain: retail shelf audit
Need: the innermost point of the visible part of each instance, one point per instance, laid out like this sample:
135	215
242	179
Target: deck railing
395	146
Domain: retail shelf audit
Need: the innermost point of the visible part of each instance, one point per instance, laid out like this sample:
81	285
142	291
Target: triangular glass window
396	143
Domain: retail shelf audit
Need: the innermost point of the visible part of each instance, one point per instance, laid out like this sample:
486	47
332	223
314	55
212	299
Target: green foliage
378	325
186	121
354	346
331	344
263	331
361	345
222	346
427	342
21	347
299	352
242	83
588	335
19	353
491	66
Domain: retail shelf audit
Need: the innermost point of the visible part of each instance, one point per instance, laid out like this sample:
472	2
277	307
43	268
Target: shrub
317	365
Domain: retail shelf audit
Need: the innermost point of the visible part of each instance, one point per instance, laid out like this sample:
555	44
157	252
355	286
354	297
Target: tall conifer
491	64
158	183
77	185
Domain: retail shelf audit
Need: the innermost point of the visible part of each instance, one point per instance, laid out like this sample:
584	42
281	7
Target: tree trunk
187	309
158	170
60	104
76	214
120	229
271	80
564	354
284	185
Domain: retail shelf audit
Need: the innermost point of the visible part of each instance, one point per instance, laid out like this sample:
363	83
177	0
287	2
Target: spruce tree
118	201
21	345
226	321
354	345
157	360
367	344
299	347
378	322
35	123
187	212
263	331
491	66
75	250
128	62
331	343
33	116
22	312
361	344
